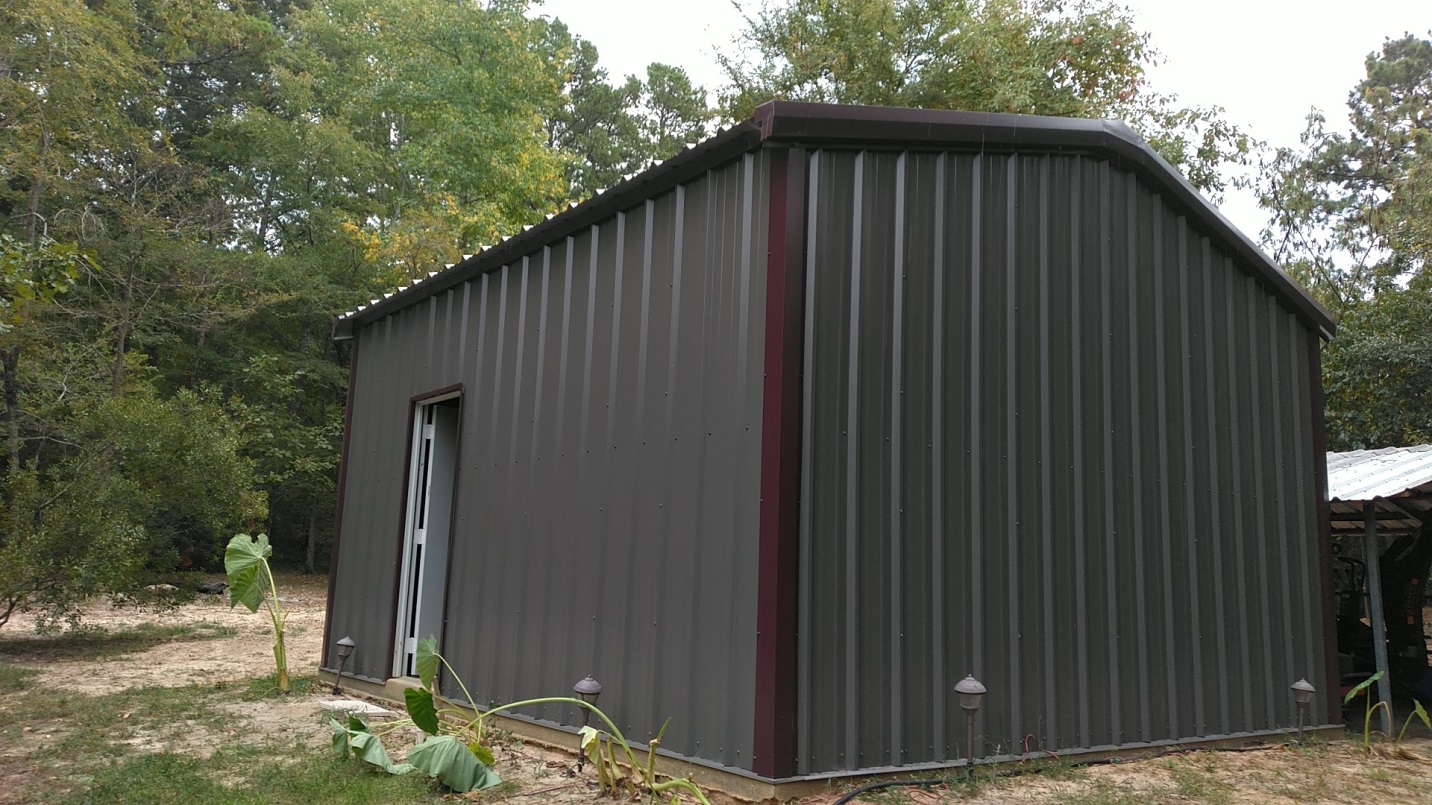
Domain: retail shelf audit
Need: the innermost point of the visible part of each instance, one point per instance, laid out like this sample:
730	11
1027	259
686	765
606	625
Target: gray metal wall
609	467
1054	438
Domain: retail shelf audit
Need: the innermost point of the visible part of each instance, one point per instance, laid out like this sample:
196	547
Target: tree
607	131
671	112
448	100
1353	220
1046	57
592	125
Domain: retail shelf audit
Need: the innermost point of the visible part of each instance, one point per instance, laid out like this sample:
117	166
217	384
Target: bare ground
1337	773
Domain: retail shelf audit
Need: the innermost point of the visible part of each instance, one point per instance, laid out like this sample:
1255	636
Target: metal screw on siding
1302	697
971	697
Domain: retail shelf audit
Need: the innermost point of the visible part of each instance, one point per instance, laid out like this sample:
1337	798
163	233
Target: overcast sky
1267	62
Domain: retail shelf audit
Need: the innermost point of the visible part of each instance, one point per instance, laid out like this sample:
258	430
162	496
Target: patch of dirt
247	654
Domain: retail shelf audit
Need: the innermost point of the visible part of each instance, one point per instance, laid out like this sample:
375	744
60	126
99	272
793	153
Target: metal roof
1397	479
825	125
1385	473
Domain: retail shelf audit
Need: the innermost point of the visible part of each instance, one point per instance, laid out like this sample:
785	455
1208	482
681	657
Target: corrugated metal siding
608	491
1053	438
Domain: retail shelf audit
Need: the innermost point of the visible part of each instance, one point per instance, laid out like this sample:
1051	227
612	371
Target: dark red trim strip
338	516
455	388
774	745
1324	525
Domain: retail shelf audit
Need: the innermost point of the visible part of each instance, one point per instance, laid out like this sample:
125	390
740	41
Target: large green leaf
427	661
421	709
356	739
1421	713
591	745
368	748
1362	686
447	759
340	738
245	563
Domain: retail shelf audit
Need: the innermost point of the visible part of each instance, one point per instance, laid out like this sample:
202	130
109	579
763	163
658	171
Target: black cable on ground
851	796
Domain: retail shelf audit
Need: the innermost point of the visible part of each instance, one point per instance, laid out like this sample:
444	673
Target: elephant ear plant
455	749
1397	750
251	584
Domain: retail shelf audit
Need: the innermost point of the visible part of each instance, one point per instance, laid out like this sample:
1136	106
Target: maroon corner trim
1324	525
338	515
774	745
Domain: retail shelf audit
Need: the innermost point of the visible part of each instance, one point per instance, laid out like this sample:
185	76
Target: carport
1384	496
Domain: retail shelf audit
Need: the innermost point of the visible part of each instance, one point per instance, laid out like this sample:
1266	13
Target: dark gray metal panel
1056	438
399	358
606	517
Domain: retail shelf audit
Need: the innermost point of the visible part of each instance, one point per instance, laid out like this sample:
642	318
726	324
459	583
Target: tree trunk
121	341
37	184
10	377
310	559
117	373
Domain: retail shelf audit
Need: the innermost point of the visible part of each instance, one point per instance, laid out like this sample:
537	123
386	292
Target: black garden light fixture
1302	697
971	697
345	650
587	690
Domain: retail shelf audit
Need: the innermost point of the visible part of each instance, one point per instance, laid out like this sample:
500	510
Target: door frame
454	391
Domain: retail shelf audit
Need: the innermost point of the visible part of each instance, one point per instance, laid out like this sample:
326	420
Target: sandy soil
247	653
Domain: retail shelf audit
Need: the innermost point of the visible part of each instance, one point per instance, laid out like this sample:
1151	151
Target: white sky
1267	62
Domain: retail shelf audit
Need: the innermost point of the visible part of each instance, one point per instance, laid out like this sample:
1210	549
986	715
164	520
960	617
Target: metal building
785	436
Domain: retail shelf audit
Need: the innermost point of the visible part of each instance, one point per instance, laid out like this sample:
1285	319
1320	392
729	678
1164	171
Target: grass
103	749
96	643
14	680
306	777
1198	785
266	687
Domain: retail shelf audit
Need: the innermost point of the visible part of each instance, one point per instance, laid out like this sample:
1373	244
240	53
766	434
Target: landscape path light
588	689
1302	697
345	650
971	697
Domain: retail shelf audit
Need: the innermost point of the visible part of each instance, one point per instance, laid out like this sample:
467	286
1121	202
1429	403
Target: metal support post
1372	553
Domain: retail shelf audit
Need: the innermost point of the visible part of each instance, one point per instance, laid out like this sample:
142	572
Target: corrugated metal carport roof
1399	478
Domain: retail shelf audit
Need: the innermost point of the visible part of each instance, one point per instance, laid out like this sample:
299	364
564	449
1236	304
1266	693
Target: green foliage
609	131
1351	212
457	754
251	584
246	563
356	740
427	660
70	535
1049	57
33	276
453	764
419	703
